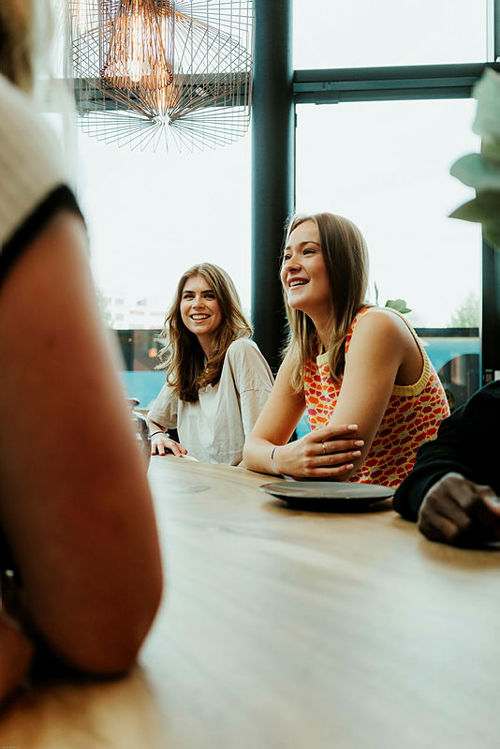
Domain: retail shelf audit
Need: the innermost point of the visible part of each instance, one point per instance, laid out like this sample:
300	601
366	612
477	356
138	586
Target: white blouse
214	428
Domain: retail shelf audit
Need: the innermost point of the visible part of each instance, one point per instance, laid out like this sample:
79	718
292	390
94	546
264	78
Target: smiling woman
217	379
306	281
371	393
200	311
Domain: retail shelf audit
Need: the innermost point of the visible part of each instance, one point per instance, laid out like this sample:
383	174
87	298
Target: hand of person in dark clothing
458	511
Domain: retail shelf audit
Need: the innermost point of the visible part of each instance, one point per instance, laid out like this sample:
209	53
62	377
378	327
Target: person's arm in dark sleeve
466	444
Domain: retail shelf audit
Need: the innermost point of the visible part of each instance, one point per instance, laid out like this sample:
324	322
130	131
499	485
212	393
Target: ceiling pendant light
151	72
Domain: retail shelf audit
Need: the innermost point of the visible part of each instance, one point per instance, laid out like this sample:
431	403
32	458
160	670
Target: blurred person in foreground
79	553
452	490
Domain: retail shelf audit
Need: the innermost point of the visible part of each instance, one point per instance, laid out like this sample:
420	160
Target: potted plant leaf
482	170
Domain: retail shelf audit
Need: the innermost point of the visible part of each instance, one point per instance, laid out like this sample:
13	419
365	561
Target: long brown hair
187	368
346	260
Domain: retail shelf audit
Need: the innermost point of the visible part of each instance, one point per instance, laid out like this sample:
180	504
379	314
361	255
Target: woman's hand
161	444
323	453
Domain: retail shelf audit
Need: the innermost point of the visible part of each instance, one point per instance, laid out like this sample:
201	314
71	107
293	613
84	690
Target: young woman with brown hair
217	379
371	393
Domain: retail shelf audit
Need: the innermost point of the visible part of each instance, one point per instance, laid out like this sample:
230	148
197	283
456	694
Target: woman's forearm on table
257	455
155	427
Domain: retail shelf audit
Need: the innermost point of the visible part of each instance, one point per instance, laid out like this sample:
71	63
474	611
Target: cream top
214	429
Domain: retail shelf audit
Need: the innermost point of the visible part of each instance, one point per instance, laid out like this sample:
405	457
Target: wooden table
291	630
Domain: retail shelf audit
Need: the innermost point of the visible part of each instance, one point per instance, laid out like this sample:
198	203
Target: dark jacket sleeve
468	442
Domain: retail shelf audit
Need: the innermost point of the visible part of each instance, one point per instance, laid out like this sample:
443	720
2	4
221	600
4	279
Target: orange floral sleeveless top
413	415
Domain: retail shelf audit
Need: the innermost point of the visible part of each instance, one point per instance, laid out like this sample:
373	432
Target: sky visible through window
385	165
354	33
153	215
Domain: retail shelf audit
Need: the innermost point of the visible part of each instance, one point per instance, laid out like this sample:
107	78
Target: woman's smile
303	272
200	310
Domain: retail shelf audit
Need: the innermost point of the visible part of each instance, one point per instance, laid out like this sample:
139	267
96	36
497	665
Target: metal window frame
333	86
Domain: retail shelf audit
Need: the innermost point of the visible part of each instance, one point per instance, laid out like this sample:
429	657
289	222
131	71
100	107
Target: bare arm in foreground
75	505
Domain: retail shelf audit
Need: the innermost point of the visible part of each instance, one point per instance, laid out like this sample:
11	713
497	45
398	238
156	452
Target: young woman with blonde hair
217	379
371	393
80	566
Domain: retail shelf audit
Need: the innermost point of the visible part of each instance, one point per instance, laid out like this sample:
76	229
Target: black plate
327	494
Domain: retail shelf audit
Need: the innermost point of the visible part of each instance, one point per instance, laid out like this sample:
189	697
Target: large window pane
150	217
386	166
394	32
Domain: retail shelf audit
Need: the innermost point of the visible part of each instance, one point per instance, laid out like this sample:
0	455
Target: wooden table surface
291	630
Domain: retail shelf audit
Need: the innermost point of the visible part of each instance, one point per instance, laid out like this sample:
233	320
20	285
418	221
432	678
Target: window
394	32
386	166
150	216
153	215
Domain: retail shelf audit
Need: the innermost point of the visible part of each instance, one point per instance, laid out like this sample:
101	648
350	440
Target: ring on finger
324	448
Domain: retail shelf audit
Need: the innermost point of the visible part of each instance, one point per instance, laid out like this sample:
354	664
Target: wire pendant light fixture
148	72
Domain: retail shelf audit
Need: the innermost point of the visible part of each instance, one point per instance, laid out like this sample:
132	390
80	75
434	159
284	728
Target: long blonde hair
17	41
187	368
346	260
27	36
28	60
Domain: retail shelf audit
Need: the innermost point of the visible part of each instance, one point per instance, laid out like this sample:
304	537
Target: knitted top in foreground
33	179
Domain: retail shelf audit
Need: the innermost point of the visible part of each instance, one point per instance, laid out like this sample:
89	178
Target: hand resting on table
324	453
458	511
161	444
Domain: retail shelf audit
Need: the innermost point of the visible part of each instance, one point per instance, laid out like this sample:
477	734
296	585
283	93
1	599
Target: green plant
467	315
482	170
398	304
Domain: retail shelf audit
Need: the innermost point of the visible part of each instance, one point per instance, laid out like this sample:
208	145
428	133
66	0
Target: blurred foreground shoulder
31	163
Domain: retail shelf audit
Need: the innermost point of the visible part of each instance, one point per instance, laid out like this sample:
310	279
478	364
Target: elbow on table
357	466
105	640
247	461
347	475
